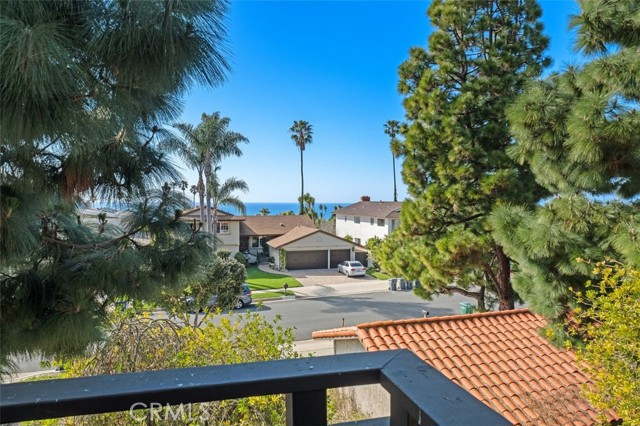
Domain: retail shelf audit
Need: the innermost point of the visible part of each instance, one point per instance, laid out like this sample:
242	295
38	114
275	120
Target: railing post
307	408
398	415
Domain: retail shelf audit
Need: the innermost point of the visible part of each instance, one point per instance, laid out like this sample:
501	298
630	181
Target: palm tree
190	147
221	143
301	134
392	128
203	147
264	211
194	191
223	193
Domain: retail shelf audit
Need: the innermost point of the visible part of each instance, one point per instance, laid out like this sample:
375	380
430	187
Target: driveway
310	277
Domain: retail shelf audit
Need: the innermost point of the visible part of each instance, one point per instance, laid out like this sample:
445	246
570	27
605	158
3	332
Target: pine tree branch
44	148
454	289
458	222
103	244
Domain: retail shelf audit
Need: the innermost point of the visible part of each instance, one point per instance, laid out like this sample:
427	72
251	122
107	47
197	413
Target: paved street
317	313
329	306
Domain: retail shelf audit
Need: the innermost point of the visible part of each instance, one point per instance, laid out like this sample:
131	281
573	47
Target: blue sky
333	64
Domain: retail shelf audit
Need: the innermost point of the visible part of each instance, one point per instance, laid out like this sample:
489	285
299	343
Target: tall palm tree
190	147
302	135
221	143
392	128
203	147
222	193
264	211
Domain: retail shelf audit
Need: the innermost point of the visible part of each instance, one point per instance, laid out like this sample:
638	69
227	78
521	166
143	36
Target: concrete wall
275	253
363	230
371	400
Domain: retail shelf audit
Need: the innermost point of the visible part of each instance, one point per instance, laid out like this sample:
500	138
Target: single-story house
498	357
310	248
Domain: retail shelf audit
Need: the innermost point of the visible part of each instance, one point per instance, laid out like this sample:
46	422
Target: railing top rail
421	388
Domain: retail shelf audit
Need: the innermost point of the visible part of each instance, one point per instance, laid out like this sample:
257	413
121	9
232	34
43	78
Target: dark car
244	299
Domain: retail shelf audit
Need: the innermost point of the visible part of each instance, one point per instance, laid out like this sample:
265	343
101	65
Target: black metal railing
420	395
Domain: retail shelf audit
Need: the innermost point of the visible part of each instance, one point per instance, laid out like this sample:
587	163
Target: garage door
362	256
313	259
339	256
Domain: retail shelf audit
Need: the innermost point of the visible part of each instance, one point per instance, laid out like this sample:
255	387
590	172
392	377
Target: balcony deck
420	395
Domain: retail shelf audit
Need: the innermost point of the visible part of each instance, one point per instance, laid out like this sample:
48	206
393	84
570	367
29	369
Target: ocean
253	208
277	208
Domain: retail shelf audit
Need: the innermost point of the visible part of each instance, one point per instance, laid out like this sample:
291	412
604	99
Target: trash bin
403	284
392	284
409	285
467	308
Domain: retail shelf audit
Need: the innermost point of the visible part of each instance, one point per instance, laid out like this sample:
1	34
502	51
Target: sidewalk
328	290
314	347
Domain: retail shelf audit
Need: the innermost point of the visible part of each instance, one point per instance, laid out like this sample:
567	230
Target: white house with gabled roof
367	219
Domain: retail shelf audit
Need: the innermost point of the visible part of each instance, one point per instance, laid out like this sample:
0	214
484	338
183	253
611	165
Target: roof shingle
498	357
378	209
264	226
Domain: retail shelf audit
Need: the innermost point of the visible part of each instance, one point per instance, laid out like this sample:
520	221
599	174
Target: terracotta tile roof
498	357
379	209
263	226
336	332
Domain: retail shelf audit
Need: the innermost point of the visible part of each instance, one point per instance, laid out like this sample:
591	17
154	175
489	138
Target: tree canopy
578	131
85	89
480	55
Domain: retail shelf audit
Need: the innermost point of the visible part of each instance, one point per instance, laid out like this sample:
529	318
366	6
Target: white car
352	268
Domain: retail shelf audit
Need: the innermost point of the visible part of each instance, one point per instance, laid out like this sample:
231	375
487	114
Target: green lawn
260	280
378	275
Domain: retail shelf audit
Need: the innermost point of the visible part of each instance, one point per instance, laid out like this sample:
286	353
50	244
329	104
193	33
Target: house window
372	221
222	227
356	219
380	222
356	240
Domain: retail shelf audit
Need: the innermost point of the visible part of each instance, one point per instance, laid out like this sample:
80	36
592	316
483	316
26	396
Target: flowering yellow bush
609	324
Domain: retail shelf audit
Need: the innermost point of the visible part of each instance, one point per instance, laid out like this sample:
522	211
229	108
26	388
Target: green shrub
240	258
143	343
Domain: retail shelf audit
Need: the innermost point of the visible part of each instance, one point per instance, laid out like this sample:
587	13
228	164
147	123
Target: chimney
365	198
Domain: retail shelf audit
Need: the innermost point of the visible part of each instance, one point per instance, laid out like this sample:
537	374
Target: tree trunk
481	305
201	197
395	191
209	219
214	226
478	295
502	280
207	182
302	180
